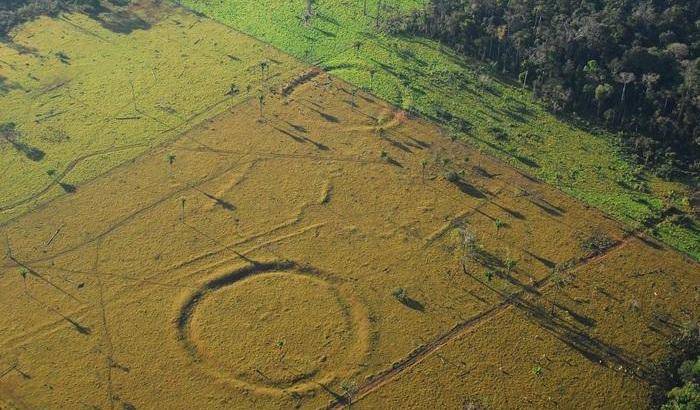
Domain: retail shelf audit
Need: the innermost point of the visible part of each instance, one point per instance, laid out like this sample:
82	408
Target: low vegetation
468	97
361	254
168	70
679	374
16	12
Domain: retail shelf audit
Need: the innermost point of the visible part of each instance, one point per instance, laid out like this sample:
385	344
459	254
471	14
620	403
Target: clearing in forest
314	246
313	256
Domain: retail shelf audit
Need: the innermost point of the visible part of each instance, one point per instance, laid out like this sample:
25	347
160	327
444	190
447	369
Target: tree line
632	66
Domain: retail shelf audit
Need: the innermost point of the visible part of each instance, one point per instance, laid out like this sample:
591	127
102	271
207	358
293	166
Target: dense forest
631	66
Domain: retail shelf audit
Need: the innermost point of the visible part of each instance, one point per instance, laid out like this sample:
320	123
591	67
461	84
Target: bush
499	133
400	294
678	374
690	370
597	243
452	177
683	398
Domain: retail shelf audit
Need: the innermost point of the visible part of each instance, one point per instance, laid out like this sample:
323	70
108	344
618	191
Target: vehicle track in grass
426	350
70	167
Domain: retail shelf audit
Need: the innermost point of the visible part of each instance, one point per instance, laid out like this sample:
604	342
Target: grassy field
498	118
301	243
87	94
316	254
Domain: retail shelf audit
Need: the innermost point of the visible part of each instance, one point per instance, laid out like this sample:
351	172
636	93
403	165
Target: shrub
597	243
683	398
499	133
678	374
690	370
400	294
499	224
452	176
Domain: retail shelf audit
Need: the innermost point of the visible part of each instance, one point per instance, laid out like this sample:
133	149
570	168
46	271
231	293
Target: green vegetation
631	66
679	374
686	397
16	12
597	243
452	176
81	94
400	294
420	75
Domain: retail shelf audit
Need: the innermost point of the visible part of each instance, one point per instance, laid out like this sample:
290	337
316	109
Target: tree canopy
632	66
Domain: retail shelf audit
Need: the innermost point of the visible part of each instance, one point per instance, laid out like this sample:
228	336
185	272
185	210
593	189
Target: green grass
421	75
86	95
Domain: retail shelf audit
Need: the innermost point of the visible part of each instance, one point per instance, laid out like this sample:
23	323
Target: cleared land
497	117
88	94
325	248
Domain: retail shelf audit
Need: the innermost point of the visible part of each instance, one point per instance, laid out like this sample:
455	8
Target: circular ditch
274	327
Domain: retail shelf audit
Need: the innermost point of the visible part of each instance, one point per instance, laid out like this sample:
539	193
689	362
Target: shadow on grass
412	304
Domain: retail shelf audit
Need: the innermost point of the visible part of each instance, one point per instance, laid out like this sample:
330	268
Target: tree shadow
649	242
325	32
327	117
590	347
68	188
5	86
302	139
32	153
421	143
468	189
482	172
411	303
392	161
297	128
220	202
514	214
398	145
505	275
83	330
527	161
121	21
546	262
546	208
582	319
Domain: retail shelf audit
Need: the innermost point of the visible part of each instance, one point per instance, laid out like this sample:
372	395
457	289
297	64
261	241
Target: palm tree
264	66
625	78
